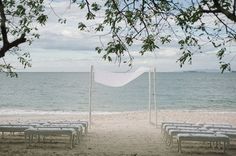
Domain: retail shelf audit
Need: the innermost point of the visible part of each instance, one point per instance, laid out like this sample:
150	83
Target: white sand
116	134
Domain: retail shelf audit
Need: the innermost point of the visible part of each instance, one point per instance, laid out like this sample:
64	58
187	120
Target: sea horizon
177	71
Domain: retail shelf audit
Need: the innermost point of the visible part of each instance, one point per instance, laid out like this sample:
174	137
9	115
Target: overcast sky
63	48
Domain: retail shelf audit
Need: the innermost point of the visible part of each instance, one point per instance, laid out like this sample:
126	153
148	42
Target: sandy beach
118	134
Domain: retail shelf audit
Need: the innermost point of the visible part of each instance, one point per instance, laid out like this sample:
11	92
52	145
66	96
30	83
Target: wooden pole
90	96
149	99
154	93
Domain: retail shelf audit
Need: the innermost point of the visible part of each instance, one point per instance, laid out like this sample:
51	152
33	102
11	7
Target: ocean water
69	92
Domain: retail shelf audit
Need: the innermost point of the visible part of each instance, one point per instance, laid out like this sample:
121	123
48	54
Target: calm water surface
68	92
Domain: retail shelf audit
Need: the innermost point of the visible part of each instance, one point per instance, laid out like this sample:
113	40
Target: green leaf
220	53
224	66
100	27
95	6
98	49
82	4
42	19
81	26
62	21
129	40
148	44
90	16
186	55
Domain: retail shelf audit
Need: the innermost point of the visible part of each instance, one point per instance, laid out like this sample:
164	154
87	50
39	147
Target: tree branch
234	7
6	45
228	14
3	24
88	6
210	11
15	43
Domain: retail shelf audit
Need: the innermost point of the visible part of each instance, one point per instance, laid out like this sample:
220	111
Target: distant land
208	71
203	70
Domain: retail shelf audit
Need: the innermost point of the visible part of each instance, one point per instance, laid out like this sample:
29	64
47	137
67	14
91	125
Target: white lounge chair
202	137
174	132
164	124
78	128
12	128
178	127
31	132
230	134
208	126
83	123
223	129
182	127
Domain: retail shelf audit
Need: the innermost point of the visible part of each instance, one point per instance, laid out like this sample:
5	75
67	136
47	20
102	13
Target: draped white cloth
117	79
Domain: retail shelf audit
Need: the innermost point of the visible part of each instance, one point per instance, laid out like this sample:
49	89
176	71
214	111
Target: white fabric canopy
117	79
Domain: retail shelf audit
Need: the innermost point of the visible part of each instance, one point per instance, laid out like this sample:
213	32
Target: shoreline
162	116
9	112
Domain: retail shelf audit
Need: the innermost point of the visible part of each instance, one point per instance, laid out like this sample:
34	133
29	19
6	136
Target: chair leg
25	139
78	137
74	140
224	147
227	144
213	146
30	138
70	141
86	130
38	138
171	140
178	145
